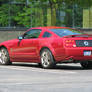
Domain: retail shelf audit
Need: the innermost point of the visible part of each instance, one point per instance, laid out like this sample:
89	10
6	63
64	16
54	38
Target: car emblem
86	43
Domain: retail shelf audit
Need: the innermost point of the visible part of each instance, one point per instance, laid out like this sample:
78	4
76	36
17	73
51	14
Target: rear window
66	32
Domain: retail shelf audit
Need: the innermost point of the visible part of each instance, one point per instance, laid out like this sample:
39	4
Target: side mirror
20	37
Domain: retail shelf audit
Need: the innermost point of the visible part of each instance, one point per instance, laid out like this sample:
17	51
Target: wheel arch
43	49
51	50
2	46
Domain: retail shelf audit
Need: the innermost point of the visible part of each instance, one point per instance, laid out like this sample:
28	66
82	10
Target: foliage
34	12
4	15
24	16
30	16
8	13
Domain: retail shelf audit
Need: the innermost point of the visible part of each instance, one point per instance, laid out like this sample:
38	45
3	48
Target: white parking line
39	70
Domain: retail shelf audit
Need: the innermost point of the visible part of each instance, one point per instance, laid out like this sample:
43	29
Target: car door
27	47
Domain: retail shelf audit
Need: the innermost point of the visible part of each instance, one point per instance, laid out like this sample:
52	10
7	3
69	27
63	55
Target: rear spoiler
82	35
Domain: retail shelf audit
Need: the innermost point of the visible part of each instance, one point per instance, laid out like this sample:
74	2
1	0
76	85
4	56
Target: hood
9	42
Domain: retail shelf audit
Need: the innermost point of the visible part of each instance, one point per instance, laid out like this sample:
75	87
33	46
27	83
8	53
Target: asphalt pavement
31	78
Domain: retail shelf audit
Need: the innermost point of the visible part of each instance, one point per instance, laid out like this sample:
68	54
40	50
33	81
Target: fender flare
50	48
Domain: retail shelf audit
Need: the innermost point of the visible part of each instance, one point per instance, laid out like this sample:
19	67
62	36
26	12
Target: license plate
87	53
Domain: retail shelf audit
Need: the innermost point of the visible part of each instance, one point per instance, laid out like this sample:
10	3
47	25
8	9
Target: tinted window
34	33
65	32
46	34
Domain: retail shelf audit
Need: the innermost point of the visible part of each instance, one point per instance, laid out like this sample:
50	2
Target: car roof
51	27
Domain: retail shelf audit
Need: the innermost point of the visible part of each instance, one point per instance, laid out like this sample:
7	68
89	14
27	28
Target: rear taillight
70	43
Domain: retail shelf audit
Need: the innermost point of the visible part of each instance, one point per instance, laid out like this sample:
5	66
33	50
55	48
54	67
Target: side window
34	33
46	34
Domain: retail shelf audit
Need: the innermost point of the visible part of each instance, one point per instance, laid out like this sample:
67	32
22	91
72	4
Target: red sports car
48	46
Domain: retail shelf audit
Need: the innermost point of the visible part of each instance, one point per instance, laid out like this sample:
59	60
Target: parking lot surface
31	78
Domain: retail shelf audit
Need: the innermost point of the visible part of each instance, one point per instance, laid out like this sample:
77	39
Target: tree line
31	13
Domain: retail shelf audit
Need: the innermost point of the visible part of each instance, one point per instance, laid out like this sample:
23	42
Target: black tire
4	57
86	64
47	60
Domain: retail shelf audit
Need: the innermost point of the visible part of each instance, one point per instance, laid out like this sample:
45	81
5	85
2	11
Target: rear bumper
76	54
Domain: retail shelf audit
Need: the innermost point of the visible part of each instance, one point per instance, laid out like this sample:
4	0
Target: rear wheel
86	64
4	57
47	60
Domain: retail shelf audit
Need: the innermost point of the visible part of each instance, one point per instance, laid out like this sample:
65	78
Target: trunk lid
84	40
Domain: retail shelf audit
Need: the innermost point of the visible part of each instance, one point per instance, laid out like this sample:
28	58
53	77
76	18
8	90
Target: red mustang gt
48	46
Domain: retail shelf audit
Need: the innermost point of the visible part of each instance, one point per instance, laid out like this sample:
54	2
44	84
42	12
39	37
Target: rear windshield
66	32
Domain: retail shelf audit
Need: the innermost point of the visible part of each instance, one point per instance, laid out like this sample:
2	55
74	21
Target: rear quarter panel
55	44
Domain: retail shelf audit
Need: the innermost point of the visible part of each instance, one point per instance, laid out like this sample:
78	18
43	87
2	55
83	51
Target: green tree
8	11
37	12
31	15
4	18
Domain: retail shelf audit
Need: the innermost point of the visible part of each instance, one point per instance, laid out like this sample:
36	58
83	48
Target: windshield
66	32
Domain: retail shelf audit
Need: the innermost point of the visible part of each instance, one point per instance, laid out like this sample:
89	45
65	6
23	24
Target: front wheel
47	60
4	57
86	64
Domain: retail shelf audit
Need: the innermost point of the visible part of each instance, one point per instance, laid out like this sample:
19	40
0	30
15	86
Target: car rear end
77	45
78	48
